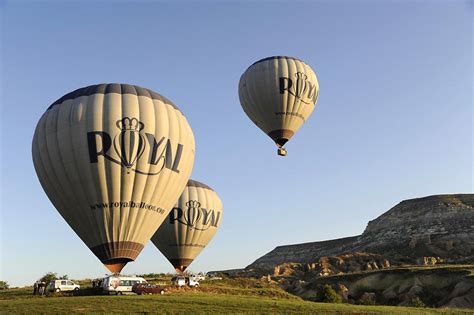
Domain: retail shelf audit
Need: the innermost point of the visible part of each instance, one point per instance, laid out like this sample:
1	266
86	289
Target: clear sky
393	120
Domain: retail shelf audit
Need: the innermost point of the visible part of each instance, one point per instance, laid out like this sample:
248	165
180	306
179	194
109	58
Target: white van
120	284
63	285
192	281
179	281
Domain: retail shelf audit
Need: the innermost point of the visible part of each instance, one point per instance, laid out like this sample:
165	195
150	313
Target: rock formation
425	230
334	265
433	286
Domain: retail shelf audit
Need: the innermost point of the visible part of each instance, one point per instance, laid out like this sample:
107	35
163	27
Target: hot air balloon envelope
279	94
190	226
113	159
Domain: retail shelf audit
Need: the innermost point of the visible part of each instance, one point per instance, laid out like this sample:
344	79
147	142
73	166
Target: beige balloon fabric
190	226
113	159
279	94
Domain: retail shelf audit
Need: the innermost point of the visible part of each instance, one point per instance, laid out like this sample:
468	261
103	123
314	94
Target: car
179	281
199	277
63	286
116	284
213	276
192	282
147	288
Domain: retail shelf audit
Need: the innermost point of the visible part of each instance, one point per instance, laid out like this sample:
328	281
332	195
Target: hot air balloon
190	226
279	94
113	159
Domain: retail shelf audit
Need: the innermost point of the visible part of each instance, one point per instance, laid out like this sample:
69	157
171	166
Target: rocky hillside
328	266
434	287
425	230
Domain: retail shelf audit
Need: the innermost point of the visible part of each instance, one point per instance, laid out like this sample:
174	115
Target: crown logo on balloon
129	144
193	204
195	217
131	124
301	76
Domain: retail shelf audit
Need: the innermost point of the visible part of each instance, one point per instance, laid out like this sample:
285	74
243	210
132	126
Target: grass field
240	296
194	303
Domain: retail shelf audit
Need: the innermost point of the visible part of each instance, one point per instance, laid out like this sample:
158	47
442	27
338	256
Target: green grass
192	302
228	296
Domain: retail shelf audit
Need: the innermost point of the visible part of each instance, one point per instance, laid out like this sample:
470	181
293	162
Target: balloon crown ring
128	123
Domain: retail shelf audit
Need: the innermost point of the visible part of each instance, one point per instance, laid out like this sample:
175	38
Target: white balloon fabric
191	225
279	94
113	159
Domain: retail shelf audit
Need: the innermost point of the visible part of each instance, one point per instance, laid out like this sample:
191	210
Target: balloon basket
281	151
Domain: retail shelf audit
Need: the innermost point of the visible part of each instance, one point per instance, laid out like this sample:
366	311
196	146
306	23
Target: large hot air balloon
191	224
279	94
113	159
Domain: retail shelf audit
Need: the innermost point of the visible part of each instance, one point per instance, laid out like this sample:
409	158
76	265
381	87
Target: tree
48	277
328	295
4	285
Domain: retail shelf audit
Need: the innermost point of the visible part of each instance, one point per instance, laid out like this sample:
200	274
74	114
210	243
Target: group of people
97	283
39	288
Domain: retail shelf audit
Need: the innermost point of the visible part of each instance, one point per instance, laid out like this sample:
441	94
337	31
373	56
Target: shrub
328	295
368	298
416	302
156	275
4	285
48	277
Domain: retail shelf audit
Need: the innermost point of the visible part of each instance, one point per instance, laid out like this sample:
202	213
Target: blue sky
393	120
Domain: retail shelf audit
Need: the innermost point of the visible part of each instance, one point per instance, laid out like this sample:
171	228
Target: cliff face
440	226
302	253
424	230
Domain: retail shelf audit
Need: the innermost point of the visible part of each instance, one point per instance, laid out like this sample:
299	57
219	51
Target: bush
156	275
48	277
328	295
4	285
368	298
416	302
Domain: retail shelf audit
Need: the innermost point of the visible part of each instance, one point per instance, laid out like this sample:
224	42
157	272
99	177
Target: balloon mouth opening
281	136
281	142
180	269
180	265
117	264
115	255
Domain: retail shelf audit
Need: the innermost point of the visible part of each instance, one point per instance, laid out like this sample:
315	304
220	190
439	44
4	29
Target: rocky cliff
418	231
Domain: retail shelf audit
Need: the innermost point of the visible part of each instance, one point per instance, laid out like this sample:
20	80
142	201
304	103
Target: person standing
41	286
